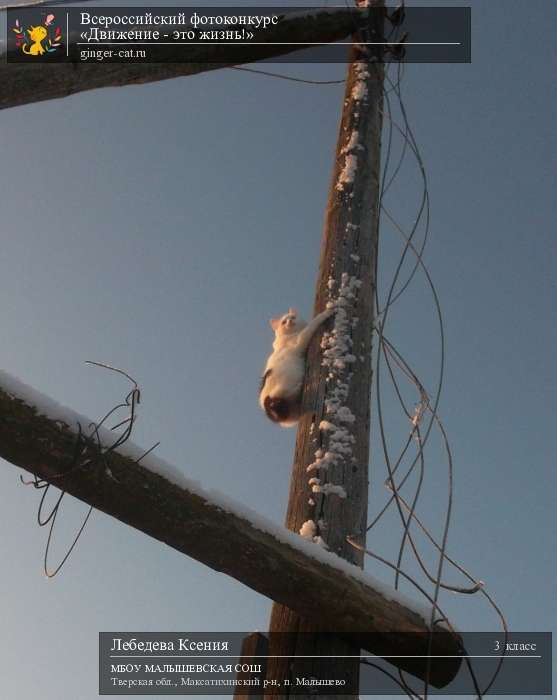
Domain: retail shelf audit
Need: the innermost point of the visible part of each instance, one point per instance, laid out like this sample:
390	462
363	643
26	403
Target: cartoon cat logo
37	35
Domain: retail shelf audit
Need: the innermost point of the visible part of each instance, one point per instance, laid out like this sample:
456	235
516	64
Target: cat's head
37	33
287	324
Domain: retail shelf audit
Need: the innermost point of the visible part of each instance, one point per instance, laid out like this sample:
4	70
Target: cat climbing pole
312	589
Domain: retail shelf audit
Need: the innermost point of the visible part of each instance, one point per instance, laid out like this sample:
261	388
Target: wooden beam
23	83
268	559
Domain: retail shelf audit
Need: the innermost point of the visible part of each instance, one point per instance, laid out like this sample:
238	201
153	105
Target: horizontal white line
273	43
325	656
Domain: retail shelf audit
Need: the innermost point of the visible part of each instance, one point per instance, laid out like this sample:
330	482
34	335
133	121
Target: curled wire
424	419
89	453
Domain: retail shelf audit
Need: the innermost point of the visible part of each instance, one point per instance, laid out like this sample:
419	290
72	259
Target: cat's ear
293	312
275	323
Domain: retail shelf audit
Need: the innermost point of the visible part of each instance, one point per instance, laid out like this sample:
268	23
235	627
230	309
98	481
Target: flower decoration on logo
44	38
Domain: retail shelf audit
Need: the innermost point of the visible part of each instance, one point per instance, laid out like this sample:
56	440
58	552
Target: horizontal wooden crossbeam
25	83
41	437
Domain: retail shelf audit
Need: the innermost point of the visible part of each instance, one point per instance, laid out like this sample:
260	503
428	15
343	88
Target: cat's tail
280	410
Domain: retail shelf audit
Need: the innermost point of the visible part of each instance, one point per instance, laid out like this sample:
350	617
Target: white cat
280	393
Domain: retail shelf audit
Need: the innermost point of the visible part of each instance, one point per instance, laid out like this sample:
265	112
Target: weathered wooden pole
255	648
329	485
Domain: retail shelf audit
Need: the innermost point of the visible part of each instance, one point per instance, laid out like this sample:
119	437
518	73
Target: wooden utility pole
330	501
254	646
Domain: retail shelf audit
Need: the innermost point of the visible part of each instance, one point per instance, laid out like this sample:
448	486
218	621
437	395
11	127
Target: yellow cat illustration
36	34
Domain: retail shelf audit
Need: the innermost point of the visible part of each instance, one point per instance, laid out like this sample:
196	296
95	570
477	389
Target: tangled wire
423	418
89	452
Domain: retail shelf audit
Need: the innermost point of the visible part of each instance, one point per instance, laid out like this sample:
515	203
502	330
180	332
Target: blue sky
159	227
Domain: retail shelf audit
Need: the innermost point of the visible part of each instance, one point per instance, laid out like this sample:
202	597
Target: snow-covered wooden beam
39	436
23	83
